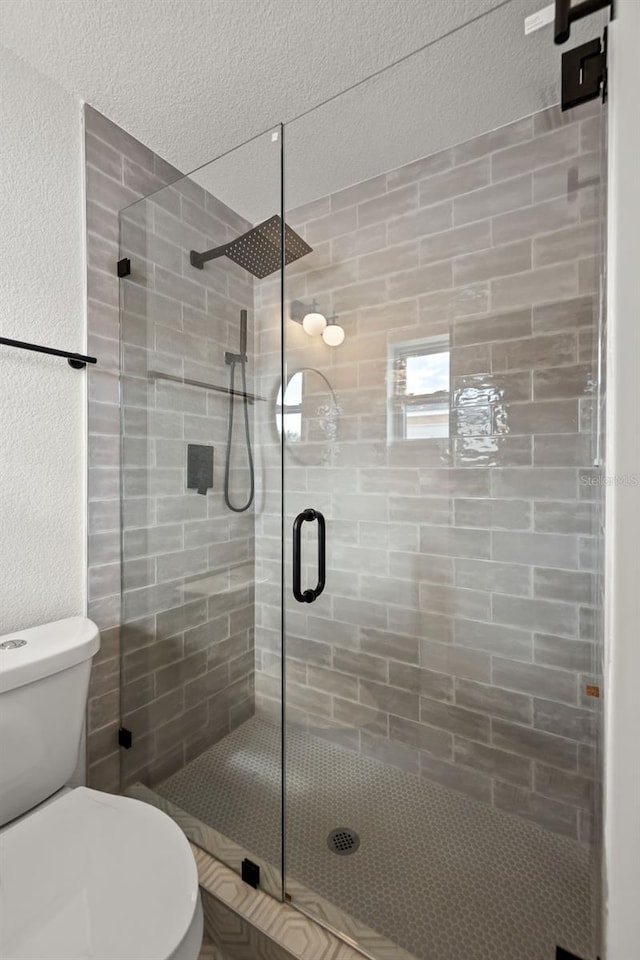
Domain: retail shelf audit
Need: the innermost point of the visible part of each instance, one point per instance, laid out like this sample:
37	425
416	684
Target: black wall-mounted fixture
584	69
233	360
568	12
199	467
584	73
258	250
76	360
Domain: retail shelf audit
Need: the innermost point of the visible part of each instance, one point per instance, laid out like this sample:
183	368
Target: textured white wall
622	802
42	401
191	96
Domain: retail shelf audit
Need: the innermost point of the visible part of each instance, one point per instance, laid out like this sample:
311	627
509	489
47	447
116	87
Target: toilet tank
44	681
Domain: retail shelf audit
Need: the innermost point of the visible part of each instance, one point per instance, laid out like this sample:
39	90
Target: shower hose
245	406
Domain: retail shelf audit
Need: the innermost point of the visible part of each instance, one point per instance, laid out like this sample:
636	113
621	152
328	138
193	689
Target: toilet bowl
84	875
90	875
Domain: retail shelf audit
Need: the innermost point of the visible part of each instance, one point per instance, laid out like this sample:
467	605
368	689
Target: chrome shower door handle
308	596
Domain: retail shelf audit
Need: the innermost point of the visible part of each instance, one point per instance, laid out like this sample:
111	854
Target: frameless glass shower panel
195	492
593	489
439	423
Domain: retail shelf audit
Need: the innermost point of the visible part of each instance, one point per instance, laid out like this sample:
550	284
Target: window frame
400	402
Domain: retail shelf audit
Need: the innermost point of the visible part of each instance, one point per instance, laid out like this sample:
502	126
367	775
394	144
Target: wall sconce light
316	324
333	333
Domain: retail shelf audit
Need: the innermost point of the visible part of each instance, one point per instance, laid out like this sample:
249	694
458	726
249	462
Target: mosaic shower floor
439	874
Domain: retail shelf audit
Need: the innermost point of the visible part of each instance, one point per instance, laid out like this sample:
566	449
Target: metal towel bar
75	360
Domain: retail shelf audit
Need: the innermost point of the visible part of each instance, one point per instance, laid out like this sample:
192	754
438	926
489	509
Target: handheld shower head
233	359
259	249
243	333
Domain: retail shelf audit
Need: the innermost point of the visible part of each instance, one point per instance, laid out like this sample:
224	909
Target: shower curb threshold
297	936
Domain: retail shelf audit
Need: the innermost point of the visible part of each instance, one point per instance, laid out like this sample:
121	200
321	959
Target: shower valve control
199	467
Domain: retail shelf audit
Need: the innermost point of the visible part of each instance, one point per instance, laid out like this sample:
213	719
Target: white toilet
84	875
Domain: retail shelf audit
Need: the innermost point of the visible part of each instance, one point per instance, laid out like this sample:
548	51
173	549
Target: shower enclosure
362	390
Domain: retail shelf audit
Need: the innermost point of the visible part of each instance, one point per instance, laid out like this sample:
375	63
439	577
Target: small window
419	394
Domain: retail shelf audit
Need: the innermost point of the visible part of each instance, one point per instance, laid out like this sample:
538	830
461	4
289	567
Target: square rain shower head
258	250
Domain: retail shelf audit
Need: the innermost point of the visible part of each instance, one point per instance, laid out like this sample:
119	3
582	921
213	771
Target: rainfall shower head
258	250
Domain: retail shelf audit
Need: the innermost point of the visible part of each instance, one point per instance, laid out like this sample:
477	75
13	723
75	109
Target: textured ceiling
194	78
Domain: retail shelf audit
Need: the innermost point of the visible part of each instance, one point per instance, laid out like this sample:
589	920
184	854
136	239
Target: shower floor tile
439	874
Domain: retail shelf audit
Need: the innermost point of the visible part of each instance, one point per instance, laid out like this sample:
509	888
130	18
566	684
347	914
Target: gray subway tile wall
460	624
176	615
119	170
455	637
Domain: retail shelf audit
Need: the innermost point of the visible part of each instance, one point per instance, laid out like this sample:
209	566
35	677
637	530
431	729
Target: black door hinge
584	73
124	267
250	873
125	738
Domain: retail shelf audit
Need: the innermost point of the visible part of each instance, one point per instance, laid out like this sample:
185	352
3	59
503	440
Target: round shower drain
343	840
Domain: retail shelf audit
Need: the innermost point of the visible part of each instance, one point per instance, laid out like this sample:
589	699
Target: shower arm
199	259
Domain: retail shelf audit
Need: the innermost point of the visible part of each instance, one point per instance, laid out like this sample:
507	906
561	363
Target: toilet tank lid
47	649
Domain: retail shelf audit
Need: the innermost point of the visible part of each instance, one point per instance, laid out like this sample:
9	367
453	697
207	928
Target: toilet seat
91	876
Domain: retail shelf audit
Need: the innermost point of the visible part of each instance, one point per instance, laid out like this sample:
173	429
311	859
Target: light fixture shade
314	323
333	335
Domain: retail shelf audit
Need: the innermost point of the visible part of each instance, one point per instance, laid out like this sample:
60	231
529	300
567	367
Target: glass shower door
438	416
396	455
200	484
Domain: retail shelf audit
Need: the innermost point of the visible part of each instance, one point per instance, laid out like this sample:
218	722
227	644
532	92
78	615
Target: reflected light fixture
333	333
314	322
